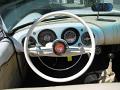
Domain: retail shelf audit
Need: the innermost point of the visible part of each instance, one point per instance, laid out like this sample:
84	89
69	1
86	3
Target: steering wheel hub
59	47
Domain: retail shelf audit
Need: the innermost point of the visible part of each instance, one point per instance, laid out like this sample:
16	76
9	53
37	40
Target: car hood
88	11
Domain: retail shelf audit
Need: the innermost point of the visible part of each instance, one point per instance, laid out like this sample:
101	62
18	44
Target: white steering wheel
77	50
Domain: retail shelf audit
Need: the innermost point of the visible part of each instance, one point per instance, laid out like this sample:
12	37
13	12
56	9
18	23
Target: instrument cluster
71	35
75	34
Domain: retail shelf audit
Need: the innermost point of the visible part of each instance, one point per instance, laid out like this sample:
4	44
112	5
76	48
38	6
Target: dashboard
74	33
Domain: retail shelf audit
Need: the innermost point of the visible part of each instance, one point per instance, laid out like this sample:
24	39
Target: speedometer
70	35
85	38
46	36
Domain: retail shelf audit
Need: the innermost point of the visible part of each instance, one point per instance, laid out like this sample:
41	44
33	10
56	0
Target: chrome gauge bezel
72	30
41	35
83	36
32	42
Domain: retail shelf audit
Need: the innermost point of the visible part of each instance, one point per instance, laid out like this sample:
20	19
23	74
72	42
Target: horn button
59	47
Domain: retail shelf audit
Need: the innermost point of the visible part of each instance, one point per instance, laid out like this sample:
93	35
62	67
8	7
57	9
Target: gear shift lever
111	56
108	75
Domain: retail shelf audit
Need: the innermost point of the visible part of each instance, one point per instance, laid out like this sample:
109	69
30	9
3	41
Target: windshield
12	11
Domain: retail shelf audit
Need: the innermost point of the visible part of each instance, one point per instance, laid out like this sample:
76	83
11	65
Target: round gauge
70	35
85	38
31	42
46	36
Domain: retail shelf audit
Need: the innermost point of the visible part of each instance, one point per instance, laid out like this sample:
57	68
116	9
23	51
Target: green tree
91	2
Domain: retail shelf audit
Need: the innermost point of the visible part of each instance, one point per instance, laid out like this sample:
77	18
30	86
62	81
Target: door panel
9	72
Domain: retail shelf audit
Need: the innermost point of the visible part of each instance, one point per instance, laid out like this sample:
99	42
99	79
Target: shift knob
111	56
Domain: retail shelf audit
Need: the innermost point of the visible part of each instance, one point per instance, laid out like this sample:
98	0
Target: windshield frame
10	28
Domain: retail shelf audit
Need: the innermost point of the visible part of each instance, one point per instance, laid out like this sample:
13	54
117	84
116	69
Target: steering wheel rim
52	78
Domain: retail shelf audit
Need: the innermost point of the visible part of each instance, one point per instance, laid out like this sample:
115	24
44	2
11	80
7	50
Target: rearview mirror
102	7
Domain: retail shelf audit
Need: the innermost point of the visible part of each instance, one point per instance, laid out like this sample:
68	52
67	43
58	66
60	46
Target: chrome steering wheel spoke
79	50
40	51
